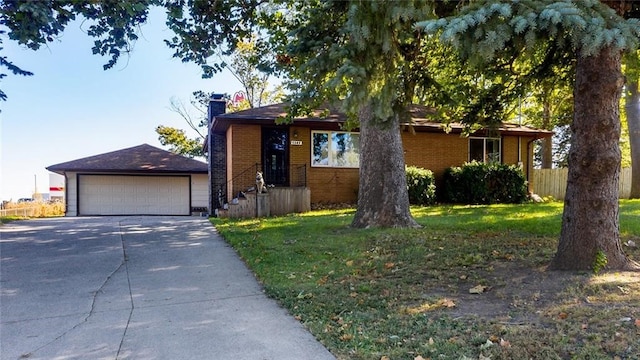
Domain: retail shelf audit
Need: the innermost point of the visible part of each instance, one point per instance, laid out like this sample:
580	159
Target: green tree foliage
201	29
367	57
14	69
113	25
486	30
178	142
489	31
36	23
244	65
255	83
549	105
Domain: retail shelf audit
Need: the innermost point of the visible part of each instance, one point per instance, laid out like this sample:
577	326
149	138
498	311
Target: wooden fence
21	211
553	182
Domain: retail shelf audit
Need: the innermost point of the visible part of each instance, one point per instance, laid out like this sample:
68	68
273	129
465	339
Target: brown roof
270	113
422	120
138	159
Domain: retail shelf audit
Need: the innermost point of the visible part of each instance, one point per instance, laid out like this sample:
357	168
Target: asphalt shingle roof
138	159
422	118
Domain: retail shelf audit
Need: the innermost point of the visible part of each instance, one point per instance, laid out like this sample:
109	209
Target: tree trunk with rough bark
547	148
590	225
633	122
383	200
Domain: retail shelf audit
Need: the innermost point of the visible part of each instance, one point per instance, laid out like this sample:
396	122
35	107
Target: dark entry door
275	156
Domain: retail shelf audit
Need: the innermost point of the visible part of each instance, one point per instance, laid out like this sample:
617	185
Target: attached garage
142	180
133	195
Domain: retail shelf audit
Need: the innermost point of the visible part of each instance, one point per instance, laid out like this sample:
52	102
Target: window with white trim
486	150
335	149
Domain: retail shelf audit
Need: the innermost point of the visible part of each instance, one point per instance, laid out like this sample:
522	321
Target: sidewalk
182	293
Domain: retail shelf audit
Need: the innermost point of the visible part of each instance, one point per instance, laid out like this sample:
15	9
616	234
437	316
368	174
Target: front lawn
407	293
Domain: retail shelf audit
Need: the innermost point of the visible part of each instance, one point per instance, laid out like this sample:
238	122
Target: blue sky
71	108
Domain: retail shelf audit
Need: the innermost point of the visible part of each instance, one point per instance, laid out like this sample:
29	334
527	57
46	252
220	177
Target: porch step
246	207
276	202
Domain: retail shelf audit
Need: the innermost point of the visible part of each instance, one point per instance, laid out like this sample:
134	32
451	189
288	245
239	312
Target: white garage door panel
133	195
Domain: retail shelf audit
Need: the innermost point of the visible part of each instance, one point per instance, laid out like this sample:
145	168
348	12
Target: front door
275	156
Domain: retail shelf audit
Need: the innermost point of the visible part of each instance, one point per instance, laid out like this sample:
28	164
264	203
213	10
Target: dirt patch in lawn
513	294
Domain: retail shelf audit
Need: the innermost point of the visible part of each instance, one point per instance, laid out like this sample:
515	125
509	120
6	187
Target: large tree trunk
633	122
547	148
383	200
590	218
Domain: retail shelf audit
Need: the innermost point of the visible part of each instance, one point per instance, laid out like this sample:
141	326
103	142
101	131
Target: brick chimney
217	106
216	153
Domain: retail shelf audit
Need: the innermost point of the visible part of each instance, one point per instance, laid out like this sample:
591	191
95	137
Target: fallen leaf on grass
419	358
486	345
389	265
424	307
624	290
346	337
563	315
385	357
637	322
478	289
447	303
504	343
431	342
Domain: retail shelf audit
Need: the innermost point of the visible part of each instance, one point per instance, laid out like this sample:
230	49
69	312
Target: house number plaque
296	142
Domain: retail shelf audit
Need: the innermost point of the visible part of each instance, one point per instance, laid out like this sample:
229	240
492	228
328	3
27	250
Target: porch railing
245	181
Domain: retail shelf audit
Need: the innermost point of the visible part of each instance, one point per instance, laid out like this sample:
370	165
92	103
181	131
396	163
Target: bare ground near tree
518	294
534	307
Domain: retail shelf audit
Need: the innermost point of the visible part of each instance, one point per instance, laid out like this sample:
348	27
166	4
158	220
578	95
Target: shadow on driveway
137	288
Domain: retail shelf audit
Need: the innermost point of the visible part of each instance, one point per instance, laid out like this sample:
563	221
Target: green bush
480	183
421	186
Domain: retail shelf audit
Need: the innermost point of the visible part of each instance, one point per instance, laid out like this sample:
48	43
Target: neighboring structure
56	187
317	154
141	180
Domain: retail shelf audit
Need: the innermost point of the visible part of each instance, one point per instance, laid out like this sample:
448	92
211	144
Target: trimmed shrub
420	185
480	183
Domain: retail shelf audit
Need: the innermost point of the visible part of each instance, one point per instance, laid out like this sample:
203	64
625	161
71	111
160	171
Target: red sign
238	97
53	188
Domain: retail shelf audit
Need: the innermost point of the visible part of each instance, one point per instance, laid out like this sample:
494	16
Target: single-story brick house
316	153
141	180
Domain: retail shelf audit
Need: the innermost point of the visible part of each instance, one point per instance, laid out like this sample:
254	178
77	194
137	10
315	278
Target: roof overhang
421	120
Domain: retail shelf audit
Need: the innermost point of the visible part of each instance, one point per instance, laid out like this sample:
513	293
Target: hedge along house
141	180
316	154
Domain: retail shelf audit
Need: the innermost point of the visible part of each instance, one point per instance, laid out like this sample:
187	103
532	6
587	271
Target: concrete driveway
136	288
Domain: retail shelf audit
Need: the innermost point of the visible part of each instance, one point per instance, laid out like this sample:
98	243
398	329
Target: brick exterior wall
218	166
434	151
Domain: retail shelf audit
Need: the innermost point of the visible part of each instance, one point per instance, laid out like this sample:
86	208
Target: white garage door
133	195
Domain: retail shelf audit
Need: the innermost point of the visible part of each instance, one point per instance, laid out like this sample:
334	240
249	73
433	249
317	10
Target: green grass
8	219
403	293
